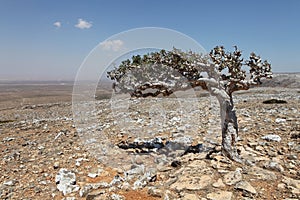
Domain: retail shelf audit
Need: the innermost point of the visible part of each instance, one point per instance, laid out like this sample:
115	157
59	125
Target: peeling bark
229	124
229	129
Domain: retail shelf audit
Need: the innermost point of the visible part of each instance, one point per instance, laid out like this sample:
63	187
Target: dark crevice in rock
194	149
274	101
176	163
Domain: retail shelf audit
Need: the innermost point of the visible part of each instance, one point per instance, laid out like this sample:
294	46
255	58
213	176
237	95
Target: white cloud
114	45
57	24
82	24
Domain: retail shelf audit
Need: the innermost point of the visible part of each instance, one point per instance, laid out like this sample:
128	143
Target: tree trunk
229	129
229	124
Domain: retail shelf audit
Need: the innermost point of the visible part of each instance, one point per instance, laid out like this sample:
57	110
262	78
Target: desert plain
45	152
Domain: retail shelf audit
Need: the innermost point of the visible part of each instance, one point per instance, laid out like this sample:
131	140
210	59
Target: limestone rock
85	190
192	183
272	137
116	197
69	198
66	181
10	183
220	195
262	173
190	197
92	175
219	183
274	166
155	192
280	120
233	177
245	186
293	185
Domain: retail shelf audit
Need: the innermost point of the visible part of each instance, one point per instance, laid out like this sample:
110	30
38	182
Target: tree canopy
170	71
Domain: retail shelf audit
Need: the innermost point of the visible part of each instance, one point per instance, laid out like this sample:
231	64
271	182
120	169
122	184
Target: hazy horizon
20	81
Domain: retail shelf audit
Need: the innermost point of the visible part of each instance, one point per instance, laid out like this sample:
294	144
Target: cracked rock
233	177
66	181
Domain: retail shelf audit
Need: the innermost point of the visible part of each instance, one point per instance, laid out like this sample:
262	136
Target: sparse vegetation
220	72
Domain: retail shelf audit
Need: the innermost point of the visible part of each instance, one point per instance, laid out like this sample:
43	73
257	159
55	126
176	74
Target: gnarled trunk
229	128
229	124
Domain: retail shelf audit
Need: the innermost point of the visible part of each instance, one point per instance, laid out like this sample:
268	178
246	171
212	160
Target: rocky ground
150	149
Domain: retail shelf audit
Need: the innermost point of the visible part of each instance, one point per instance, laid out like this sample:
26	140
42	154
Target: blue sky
32	47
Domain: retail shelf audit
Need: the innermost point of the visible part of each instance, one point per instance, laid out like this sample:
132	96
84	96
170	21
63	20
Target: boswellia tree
221	73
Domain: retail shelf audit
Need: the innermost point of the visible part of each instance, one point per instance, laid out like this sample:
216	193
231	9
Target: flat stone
280	120
274	166
162	168
293	184
69	198
245	186
92	175
261	174
97	195
198	164
233	177
155	192
281	186
190	197
219	183
192	183
272	137
116	197
9	183
85	190
292	157
220	195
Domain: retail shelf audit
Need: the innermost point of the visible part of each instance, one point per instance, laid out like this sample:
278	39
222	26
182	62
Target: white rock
66	181
92	175
280	120
116	197
272	137
85	190
8	139
9	183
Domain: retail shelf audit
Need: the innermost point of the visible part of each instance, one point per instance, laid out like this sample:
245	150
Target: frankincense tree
165	72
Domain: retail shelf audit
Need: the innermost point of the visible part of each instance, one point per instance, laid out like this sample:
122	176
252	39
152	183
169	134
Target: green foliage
169	71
